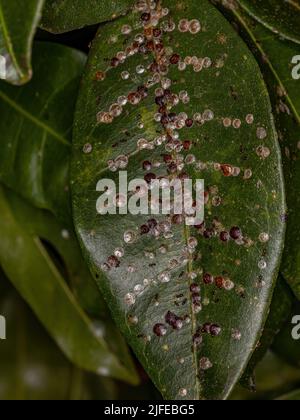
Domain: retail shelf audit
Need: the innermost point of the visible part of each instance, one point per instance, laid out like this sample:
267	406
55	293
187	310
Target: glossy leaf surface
18	22
153	290
36	124
282	17
29	357
279	313
280	62
33	272
66	15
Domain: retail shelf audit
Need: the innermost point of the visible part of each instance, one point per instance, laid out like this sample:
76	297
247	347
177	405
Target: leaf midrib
189	270
193	317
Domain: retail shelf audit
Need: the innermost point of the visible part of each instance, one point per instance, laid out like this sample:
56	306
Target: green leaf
281	17
274	378
292	396
31	269
285	345
28	359
60	243
66	15
286	102
279	312
36	122
276	59
231	87
18	22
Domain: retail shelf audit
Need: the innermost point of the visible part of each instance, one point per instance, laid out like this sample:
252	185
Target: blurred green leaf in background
18	22
36	126
32	367
23	232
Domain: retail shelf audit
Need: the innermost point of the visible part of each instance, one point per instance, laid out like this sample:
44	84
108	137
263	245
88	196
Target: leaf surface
154	288
29	357
279	312
28	265
279	65
282	17
36	124
66	15
18	22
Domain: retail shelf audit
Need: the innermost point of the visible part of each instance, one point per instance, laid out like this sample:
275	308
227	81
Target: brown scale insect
100	76
160	330
175	58
113	262
208	279
174	321
235	233
114	62
147	165
220	282
224	236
